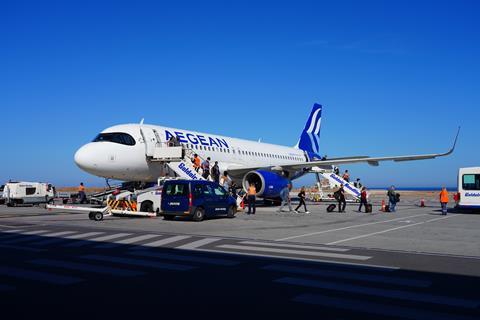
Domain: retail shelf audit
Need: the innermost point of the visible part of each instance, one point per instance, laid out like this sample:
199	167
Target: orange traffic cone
383	206
422	203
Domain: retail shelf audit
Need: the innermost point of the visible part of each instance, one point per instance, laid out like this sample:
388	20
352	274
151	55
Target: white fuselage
120	152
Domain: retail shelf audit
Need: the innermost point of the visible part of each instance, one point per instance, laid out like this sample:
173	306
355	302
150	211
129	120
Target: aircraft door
150	139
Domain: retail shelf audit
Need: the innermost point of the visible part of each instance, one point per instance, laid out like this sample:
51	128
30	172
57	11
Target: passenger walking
216	173
444	200
340	197
301	196
196	162
337	171
285	195
225	180
357	184
393	198
81	193
252	192
206	168
346	176
363	200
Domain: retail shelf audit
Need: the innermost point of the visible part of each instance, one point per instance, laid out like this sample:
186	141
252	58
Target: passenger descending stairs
336	180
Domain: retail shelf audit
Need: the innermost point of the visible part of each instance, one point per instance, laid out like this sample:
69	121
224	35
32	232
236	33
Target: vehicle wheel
90	215
168	217
198	215
98	216
146	206
231	212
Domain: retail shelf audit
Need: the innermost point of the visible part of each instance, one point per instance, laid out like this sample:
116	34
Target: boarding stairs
335	180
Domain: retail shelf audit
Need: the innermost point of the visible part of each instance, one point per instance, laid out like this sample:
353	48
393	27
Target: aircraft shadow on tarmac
55	275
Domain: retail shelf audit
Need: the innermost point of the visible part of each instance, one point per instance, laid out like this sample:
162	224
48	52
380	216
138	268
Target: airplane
121	153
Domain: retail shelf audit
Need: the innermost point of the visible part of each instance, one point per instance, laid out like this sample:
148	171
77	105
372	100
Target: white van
468	196
16	193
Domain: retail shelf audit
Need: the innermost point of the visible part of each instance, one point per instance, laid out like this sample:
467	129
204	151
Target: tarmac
411	264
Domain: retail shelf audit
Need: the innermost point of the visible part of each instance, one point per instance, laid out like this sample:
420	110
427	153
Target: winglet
454	143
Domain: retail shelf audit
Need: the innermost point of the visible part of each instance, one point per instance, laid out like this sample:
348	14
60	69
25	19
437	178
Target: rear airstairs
335	181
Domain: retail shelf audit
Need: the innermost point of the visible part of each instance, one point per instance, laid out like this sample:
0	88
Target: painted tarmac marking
169	256
128	241
383	293
163	242
294	246
385	310
353	275
297	252
349	227
86	267
81	243
388	230
199	243
139	262
38	276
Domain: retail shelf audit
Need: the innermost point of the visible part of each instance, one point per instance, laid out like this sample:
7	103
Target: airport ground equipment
98	214
468	195
28	193
334	181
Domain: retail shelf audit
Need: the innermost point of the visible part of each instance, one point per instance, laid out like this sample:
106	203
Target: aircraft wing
327	164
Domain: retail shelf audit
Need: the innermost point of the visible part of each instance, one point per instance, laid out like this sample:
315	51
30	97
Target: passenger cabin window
471	182
115	137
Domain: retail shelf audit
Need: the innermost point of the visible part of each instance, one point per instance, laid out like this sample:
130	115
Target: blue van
196	199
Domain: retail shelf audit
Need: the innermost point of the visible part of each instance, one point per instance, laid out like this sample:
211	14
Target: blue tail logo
310	138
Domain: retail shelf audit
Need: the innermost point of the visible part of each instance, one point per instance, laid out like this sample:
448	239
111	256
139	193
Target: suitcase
387	208
368	208
331	207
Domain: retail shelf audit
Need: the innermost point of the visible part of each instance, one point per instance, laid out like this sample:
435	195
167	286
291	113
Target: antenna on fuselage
141	121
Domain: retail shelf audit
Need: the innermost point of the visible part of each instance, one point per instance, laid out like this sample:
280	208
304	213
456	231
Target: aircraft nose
85	158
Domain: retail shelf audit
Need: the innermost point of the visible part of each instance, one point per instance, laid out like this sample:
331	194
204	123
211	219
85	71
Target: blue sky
394	78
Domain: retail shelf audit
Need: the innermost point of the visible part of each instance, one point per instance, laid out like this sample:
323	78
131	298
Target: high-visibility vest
81	188
196	162
252	190
444	196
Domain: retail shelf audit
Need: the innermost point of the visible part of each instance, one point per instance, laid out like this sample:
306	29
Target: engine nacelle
267	183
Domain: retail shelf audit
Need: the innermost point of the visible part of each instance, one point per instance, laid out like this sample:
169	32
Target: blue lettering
472	194
180	137
168	135
189	172
202	140
222	142
213	142
192	138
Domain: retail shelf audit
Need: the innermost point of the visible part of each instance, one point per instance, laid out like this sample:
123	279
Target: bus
468	196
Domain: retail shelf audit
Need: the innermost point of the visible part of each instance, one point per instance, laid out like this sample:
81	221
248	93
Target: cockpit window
116	137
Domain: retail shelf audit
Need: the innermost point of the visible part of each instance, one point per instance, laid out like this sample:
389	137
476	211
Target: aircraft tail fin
310	138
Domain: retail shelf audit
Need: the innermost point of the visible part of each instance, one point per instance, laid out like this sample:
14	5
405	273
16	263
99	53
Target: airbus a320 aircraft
123	152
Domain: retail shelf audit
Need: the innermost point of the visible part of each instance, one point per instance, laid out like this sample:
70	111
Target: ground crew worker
444	200
252	191
81	193
196	162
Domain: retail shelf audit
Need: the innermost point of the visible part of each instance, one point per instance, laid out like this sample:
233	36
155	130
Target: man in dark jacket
216	172
392	198
340	197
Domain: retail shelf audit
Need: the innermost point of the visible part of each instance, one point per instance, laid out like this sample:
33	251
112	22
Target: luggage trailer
97	214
